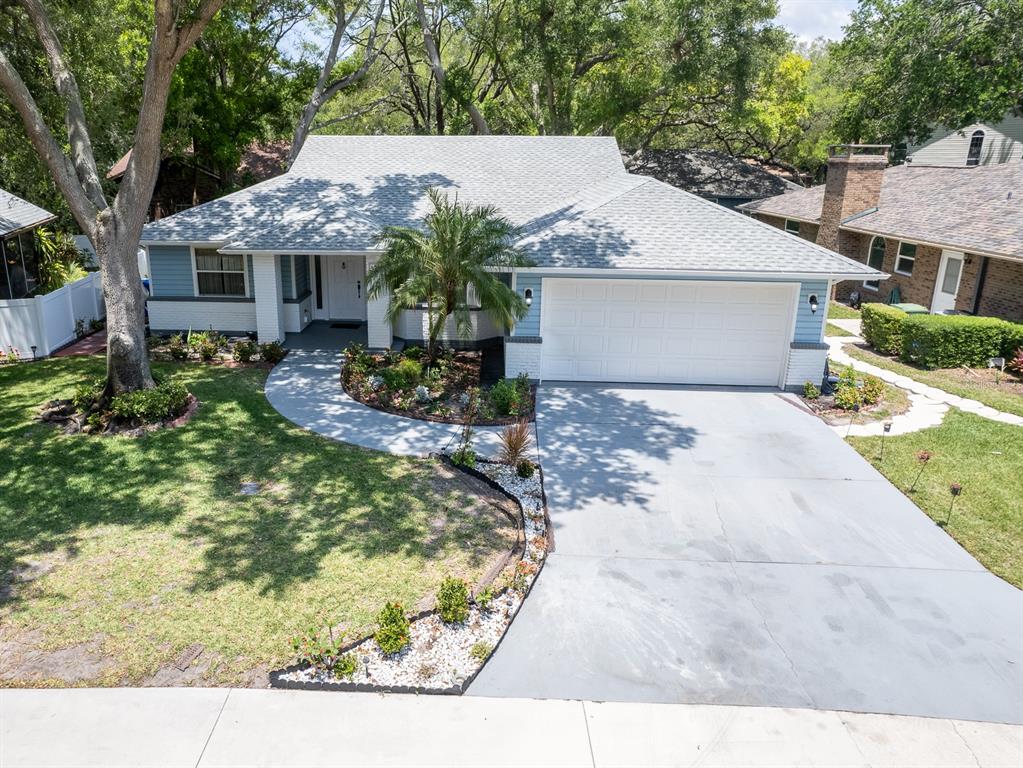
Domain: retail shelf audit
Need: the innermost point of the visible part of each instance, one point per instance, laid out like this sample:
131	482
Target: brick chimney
853	186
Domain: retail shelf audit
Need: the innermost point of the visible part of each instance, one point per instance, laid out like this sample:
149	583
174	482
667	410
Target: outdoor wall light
528	296
813	304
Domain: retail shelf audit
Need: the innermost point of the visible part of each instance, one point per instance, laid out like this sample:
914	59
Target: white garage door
666	331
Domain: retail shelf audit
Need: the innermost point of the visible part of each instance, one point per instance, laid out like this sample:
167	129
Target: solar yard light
887	429
813	304
998	363
955	489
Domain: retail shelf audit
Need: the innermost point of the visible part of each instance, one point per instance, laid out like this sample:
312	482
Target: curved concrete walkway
306	389
928	404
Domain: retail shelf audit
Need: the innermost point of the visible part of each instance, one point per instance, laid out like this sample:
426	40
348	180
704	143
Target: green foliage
464	456
525	469
947	341
164	401
873	390
60	261
484	598
392	634
461	246
506	397
87	394
453	601
206	344
178	348
882	327
811	391
244	351
272	352
481	651
324	653
404	374
1015	363
848	397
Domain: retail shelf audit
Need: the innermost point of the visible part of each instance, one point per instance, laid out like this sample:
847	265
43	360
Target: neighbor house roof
708	173
977	209
570	196
17	214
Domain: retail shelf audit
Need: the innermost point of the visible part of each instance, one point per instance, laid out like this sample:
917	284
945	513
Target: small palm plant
460	246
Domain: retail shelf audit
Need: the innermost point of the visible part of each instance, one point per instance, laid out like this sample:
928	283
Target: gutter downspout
979	290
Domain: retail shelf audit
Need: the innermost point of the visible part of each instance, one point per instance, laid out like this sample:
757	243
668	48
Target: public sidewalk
928	405
245	727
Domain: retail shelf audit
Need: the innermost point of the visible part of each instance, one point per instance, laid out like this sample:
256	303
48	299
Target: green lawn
830	329
142	547
986	459
1004	396
839	311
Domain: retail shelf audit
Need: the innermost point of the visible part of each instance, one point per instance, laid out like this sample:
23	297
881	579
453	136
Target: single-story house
632	280
712	175
950	237
18	221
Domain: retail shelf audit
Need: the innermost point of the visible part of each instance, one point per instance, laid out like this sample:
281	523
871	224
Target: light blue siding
530	324
170	268
809	326
301	275
286	285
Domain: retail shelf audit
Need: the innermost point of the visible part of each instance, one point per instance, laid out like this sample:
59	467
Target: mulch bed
62	413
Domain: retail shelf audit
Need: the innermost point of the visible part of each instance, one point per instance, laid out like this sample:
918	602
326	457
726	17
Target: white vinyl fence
48	322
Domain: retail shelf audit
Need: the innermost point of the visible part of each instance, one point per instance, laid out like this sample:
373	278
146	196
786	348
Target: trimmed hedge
882	327
948	341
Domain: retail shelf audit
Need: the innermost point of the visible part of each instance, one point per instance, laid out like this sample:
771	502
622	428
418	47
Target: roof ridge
536	229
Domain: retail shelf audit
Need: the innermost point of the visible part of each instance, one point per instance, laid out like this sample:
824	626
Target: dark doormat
349	326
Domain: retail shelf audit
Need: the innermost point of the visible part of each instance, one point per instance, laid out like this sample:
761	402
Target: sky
810	19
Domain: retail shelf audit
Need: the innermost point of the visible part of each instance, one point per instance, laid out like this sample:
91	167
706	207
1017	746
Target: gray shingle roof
571	196
973	209
709	173
17	214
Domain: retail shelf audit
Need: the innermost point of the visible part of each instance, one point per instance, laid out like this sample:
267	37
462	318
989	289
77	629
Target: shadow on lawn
320	496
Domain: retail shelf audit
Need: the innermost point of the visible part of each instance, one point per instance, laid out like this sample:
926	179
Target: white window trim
798	224
899	257
195	279
875	285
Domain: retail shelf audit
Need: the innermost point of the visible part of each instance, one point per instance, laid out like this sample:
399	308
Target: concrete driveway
716	546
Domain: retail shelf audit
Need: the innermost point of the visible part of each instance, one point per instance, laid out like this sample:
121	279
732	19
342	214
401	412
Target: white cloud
810	19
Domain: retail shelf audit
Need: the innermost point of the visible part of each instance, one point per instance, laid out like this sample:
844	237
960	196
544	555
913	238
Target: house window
976	145
219	274
906	258
875	260
792	227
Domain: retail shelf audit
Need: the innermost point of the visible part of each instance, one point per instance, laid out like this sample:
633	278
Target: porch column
269	296
378	330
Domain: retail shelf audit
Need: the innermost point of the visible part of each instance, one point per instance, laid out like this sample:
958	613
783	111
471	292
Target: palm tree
460	246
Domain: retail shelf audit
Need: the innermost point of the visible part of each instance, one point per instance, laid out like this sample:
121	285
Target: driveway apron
724	546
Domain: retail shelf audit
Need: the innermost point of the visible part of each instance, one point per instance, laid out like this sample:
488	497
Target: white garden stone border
438	658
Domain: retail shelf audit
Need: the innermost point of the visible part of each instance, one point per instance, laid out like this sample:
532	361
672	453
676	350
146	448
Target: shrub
525	469
345	666
481	650
207	349
453	601
403	374
506	397
393	633
848	397
272	352
811	391
325	654
464	456
244	351
178	348
484	598
163	401
1015	364
948	341
413	353
1012	340
515	442
86	395
80	327
873	390
882	327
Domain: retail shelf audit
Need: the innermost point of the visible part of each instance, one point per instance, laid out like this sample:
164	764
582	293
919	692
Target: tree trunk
127	354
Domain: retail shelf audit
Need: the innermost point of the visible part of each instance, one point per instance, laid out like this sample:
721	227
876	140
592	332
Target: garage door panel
695	332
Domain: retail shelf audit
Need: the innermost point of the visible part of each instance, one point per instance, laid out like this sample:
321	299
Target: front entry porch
326	335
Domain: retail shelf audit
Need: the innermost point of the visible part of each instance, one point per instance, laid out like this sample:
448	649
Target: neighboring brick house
951	238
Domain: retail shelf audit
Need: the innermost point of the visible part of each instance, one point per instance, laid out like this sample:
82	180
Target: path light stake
852	418
998	363
923	457
955	489
887	429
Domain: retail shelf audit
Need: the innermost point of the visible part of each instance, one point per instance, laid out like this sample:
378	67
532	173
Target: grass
144	546
833	330
1001	397
983	456
839	311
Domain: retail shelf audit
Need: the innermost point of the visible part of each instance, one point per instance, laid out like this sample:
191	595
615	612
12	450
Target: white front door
950	272
346	292
675	332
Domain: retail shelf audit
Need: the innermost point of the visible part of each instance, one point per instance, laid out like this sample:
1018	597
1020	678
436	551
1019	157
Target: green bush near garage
882	327
949	341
